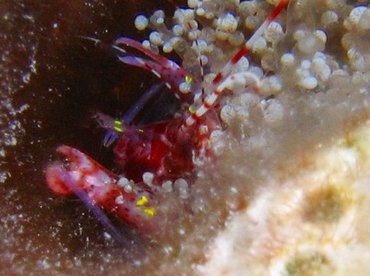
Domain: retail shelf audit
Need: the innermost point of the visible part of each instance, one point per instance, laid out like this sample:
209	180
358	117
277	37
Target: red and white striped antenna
210	100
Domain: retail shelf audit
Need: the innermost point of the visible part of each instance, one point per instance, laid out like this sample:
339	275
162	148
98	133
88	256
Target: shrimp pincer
116	195
175	77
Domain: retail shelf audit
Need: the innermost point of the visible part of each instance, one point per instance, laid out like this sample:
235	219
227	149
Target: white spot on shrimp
156	73
119	200
125	184
203	129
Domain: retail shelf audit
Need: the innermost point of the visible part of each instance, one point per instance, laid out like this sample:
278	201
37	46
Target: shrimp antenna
115	127
116	50
130	115
196	113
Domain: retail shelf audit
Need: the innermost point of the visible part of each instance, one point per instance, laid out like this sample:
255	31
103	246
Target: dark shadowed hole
74	79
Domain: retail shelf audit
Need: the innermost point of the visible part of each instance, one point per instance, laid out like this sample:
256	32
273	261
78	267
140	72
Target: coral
307	223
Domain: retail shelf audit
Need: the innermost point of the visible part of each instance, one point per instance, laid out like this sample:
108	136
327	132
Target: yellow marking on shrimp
150	212
142	201
118	126
192	109
188	79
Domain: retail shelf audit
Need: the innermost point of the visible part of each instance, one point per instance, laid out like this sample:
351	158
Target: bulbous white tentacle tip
141	22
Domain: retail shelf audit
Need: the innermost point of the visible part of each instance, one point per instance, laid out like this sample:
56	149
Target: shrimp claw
130	203
167	70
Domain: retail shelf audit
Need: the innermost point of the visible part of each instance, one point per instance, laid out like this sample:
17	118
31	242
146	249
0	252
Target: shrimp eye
118	126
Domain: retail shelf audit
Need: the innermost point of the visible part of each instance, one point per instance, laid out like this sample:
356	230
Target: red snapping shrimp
165	150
